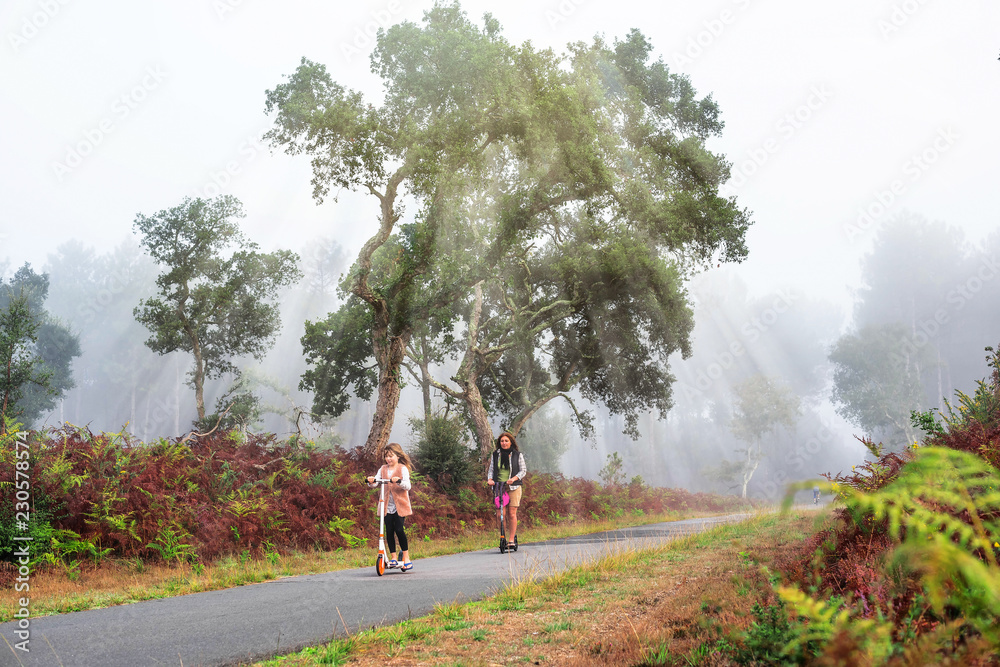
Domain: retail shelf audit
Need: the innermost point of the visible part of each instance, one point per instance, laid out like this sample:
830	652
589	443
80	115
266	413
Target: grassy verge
55	591
680	604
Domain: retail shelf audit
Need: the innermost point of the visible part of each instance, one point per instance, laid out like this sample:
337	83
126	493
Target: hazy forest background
927	291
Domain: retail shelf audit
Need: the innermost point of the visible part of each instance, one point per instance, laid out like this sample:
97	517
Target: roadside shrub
441	451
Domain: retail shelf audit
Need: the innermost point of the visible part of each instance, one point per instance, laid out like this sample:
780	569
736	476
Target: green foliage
945	507
337	350
170	545
238	409
215	293
818	622
442	451
876	380
560	203
982	407
545	438
762	406
612	474
68	549
341	526
36	351
39	530
765	640
926	422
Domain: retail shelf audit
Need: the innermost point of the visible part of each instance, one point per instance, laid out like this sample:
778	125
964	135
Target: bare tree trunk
425	379
389	353
177	396
199	387
750	468
480	420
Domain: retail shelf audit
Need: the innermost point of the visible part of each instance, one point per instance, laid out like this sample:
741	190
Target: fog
863	139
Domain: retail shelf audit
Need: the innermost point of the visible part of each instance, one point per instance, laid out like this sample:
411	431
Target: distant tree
613	472
324	260
216	295
545	438
508	152
876	380
119	380
925	276
36	351
762	406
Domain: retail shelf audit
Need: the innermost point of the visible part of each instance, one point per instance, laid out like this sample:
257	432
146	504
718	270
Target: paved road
253	622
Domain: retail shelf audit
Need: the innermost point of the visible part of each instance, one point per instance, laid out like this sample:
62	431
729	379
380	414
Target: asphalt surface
253	622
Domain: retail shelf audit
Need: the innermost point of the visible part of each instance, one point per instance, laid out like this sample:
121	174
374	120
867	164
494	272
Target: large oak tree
510	153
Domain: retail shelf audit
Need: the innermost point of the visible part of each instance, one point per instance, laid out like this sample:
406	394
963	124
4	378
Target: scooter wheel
503	545
380	565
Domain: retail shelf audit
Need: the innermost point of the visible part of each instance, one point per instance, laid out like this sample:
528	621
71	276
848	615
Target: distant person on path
815	495
507	465
396	470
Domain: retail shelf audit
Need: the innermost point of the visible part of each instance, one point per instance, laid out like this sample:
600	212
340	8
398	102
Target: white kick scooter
381	561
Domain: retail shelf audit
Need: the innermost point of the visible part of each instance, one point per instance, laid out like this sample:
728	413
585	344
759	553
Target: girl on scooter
507	465
397	471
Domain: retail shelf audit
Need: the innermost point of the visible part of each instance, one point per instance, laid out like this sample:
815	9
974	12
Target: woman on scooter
396	470
507	465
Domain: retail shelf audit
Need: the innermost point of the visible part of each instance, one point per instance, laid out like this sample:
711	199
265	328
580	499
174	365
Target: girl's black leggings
394	527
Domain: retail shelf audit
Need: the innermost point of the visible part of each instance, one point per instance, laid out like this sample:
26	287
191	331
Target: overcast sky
111	108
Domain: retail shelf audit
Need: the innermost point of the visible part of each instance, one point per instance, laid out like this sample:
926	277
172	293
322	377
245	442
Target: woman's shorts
515	497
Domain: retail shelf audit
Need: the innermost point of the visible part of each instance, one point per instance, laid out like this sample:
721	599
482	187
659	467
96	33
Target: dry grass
665	606
115	582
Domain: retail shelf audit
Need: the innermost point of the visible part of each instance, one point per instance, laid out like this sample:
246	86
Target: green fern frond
945	508
828	618
954	577
941	492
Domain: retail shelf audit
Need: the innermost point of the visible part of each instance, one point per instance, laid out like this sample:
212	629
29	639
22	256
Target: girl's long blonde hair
397	449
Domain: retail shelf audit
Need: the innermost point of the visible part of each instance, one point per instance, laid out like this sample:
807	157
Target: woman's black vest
515	466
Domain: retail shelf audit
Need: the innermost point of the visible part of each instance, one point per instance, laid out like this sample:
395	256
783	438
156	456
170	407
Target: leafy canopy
216	294
575	190
36	351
